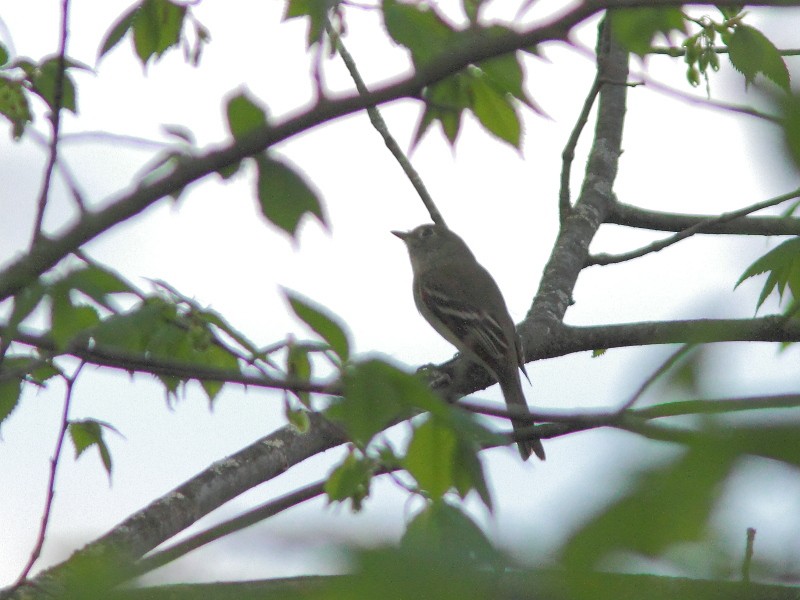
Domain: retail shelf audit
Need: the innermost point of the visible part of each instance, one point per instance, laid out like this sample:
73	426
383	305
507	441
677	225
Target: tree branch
55	120
380	126
699	227
631	216
594	204
111	559
568	154
51	484
114	358
473	48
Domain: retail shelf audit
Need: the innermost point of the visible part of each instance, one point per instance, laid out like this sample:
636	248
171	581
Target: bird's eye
426	232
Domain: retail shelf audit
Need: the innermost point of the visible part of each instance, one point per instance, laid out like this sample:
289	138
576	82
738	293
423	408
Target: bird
462	302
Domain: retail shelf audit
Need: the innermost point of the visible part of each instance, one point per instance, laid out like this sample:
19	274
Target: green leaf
14	106
25	302
377	394
88	433
245	115
730	12
297	418
67	320
3	55
635	28
317	13
44	84
157	27
419	28
298	366
751	53
496	112
472	9
350	481
285	196
505	74
431	457
155	329
323	324
445	102
790	109
10	390
447	531
468	473
783	265
117	31
666	505
98	283
14	370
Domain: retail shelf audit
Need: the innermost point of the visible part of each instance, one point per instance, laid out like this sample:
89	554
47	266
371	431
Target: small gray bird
461	301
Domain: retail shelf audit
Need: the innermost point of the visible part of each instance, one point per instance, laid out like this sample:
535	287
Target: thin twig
748	554
55	119
51	489
259	513
666	366
684	96
380	126
676	52
699	227
658	411
568	155
66	173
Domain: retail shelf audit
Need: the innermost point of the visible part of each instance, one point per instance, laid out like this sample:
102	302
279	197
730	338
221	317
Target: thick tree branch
571	248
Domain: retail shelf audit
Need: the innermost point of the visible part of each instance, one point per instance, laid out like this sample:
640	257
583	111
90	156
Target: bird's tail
512	392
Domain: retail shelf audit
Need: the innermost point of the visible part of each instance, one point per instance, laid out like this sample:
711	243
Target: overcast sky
213	246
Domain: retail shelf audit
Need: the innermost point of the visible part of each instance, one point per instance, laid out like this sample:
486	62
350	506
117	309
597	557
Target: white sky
214	246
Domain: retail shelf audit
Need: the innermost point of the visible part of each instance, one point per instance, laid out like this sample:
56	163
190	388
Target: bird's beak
403	235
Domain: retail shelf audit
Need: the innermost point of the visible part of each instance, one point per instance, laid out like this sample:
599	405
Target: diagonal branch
380	126
568	154
701	226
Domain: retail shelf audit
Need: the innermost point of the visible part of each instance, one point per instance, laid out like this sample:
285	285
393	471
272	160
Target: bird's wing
460	308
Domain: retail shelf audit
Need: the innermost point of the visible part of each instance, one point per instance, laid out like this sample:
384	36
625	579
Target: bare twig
718	405
66	172
251	517
380	126
55	119
568	154
748	554
51	486
666	366
701	226
677	51
632	216
683	96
